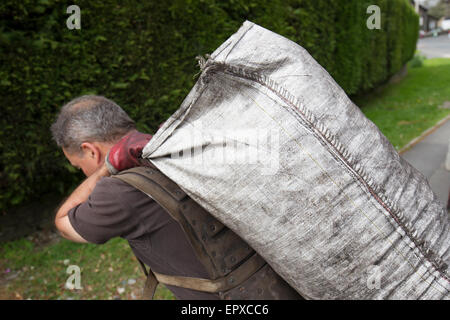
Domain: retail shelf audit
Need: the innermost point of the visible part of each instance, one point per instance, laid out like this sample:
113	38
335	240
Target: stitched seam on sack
393	211
377	199
358	208
363	178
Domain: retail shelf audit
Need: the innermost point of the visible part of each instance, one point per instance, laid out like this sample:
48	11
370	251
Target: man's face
87	160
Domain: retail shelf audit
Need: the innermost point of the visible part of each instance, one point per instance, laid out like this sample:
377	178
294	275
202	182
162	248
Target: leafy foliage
142	55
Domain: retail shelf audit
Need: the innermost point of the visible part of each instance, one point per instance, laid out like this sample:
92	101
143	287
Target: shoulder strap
170	197
168	194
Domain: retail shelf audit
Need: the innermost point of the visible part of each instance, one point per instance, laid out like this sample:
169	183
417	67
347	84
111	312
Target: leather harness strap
236	277
150	286
167	194
233	279
150	283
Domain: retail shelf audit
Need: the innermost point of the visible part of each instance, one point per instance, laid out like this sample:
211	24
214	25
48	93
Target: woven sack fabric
271	146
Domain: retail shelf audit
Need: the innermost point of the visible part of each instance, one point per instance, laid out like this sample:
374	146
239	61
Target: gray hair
90	118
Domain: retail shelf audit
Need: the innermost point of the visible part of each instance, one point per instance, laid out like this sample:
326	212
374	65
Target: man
91	128
103	207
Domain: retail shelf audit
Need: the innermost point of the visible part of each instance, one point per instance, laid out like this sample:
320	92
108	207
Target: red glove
127	153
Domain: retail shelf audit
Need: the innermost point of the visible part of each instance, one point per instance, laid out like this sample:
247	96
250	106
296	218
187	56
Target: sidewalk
429	155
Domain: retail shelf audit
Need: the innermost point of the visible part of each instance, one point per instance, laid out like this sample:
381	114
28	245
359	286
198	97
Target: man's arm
80	195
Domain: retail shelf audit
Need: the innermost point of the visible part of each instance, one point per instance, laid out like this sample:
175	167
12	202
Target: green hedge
142	55
359	59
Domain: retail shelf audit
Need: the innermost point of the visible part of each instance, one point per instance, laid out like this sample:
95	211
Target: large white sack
303	176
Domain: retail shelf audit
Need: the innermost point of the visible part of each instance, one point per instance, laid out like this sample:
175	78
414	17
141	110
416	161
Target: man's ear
91	151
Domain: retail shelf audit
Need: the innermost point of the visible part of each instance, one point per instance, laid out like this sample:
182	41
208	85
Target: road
435	47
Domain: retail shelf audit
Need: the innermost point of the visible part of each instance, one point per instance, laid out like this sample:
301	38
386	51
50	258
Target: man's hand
78	196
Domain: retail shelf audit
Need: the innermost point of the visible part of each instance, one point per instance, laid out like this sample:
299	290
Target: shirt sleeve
114	209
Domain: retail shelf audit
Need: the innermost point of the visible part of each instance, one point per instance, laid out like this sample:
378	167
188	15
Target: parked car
434	32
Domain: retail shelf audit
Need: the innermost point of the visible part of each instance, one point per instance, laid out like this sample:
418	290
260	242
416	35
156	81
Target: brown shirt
116	209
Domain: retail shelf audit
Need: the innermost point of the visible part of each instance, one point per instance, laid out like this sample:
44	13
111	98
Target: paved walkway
429	155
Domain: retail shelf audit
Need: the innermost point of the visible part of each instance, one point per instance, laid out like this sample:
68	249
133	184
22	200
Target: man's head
87	127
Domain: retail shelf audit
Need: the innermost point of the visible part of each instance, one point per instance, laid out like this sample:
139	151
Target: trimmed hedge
142	55
336	35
